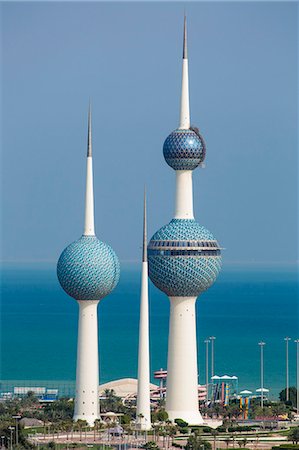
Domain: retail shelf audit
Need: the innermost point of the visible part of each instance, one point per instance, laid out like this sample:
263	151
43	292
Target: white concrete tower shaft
182	373
87	375
184	190
89	201
143	412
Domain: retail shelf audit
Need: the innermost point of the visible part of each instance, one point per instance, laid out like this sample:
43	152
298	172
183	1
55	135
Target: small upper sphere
184	149
184	258
88	269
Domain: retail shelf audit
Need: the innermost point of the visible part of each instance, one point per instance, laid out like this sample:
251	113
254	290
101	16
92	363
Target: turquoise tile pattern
88	269
183	275
184	149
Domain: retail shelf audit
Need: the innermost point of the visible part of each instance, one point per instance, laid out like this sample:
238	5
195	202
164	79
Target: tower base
142	424
182	384
89	419
191	417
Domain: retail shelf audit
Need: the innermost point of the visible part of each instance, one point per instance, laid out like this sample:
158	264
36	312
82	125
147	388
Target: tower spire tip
185	52
144	252
89	145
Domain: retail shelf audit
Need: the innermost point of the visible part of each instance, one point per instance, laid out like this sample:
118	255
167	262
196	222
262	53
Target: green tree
162	415
29	400
292	396
80	424
111	402
278	408
294	435
151	445
62	409
195	442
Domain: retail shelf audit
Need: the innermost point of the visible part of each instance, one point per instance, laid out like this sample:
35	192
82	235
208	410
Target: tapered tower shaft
89	200
143	413
182	377
87	375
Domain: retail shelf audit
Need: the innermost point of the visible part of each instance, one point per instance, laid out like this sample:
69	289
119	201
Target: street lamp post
207	341
262	344
297	373
212	339
287	339
17	417
11	441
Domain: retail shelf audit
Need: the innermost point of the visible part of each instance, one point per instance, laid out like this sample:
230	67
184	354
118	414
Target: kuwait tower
88	270
143	409
184	260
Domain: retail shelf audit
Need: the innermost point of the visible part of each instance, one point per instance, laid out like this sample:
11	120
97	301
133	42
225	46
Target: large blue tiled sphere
184	258
88	269
184	149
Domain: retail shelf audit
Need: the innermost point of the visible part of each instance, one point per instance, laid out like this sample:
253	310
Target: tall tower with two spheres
184	260
88	270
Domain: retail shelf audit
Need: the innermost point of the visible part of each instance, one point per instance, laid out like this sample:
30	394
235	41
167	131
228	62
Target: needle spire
185	52
89	144
89	201
185	112
144	253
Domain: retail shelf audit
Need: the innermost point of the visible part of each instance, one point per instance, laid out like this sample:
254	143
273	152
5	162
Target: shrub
150	446
239	428
162	415
181	423
286	447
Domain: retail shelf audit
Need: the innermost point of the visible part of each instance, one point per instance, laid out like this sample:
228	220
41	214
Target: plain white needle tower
143	412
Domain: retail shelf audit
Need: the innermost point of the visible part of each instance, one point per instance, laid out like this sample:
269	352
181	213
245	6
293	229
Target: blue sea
247	304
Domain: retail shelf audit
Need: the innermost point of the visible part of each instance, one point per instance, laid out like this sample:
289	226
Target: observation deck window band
190	244
194	252
196	242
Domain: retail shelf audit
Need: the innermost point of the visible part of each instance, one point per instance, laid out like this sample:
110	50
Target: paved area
131	442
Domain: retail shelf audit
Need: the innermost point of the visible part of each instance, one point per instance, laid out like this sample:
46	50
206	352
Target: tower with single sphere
88	270
184	260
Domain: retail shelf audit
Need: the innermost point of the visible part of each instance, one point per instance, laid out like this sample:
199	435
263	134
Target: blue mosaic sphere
88	269
184	149
184	258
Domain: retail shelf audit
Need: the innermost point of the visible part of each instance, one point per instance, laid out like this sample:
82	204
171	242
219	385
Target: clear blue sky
127	58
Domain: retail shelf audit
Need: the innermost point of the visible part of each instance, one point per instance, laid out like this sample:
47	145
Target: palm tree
80	424
67	426
96	426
